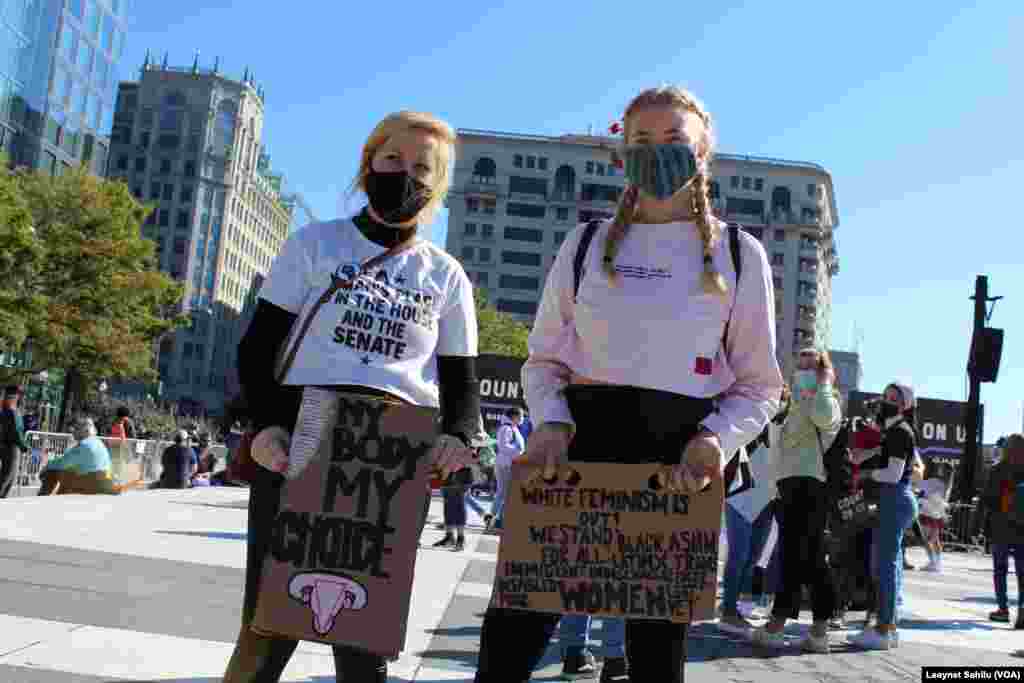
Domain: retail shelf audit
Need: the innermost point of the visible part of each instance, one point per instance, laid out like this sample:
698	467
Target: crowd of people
678	370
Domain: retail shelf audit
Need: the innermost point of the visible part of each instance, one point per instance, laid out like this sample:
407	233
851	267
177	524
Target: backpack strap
733	230
581	254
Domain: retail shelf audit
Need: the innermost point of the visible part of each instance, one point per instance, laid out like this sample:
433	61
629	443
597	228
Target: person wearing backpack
1004	501
650	346
810	428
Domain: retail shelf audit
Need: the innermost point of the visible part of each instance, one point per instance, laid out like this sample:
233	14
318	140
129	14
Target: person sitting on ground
177	464
83	468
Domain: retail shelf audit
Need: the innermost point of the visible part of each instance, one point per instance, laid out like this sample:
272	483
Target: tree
90	298
21	255
499	332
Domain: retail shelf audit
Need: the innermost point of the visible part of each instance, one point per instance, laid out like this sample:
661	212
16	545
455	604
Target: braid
625	213
712	281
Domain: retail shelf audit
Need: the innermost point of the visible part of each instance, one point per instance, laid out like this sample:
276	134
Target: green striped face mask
660	170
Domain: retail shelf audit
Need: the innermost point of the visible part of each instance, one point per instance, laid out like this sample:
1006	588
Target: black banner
942	425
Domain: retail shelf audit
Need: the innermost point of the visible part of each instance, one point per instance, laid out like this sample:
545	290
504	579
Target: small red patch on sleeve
702	366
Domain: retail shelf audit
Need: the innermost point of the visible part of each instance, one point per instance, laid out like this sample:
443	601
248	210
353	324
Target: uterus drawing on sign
327	594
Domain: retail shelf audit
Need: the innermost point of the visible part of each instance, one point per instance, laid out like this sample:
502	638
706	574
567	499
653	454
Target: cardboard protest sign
340	565
601	541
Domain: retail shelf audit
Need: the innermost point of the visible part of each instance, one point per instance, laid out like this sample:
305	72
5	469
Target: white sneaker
813	643
871	639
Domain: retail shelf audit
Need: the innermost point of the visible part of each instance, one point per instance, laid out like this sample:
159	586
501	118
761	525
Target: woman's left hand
702	458
449	455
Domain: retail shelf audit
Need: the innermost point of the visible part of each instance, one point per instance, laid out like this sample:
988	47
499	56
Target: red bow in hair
615	128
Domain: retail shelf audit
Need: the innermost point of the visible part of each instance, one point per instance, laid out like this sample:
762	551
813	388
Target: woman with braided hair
661	340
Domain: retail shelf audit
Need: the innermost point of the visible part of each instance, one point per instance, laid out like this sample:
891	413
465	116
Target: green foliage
499	332
86	293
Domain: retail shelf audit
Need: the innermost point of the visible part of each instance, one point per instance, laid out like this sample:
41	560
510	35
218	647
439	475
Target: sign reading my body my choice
602	541
343	545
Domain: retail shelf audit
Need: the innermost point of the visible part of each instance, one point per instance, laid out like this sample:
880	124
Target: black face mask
887	411
396	197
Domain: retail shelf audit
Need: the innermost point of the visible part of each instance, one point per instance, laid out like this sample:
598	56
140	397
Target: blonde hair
395	123
707	226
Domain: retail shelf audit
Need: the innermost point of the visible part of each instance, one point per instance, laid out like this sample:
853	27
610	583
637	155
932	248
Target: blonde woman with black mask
643	347
384	266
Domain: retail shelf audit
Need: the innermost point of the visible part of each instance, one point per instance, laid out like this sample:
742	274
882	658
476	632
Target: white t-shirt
387	331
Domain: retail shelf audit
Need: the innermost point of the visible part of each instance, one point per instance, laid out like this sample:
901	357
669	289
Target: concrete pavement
147	587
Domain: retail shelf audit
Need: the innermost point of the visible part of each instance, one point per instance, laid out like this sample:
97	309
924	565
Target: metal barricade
964	529
130	459
43	446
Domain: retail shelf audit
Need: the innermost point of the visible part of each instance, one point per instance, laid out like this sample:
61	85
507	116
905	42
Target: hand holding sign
548	448
270	449
701	460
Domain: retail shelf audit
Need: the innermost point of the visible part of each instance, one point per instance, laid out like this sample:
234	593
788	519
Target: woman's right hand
270	449
548	447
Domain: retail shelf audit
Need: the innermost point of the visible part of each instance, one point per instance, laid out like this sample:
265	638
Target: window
482	278
780	235
490	207
531	162
488	231
164	218
778	259
747	182
536	186
186	351
200	352
144	139
749	207
154	190
122	163
600	168
190	169
183	218
812	190
467	253
168	192
524	234
517	161
777	282
520	307
520	258
519	282
186	194
180	245
484	170
559	238
591	192
168	141
469	229
734	182
590	167
137	191
485	255
472	205
524	210
140	165
759	184
562	213
542	163
715	191
165	166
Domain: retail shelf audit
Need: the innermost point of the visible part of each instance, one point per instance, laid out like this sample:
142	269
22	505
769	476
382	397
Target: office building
848	373
189	142
514	198
58	81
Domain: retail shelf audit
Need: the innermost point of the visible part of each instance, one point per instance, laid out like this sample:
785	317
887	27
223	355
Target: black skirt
632	425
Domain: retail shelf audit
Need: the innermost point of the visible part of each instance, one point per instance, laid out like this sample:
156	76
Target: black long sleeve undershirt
271	403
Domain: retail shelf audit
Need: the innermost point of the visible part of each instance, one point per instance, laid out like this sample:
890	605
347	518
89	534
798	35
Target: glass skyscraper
58	81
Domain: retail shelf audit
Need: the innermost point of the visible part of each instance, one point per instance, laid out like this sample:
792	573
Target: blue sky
911	107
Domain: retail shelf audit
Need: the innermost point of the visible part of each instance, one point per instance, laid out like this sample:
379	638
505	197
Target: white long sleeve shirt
657	328
510	445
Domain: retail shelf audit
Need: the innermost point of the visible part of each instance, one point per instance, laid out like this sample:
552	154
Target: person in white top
637	366
361	305
510	446
934	493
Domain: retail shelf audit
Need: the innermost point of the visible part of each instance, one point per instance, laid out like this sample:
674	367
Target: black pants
454	505
262	659
9	461
613	424
803	511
